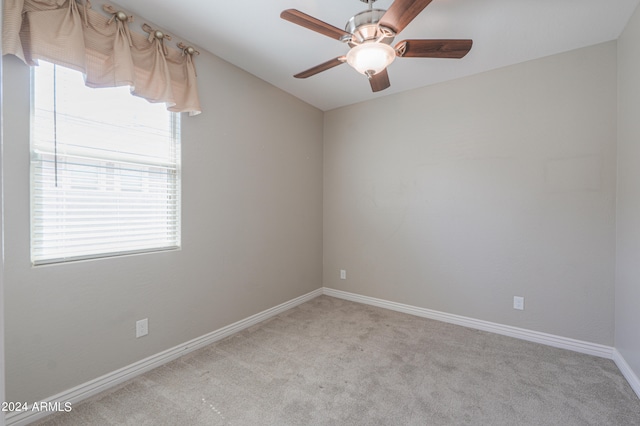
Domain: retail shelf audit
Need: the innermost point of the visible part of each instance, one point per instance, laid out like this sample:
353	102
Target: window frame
37	158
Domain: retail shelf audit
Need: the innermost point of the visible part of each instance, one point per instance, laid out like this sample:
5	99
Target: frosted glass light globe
370	58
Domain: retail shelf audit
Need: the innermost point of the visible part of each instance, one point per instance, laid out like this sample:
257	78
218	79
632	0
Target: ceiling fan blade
322	67
454	49
307	21
401	12
379	81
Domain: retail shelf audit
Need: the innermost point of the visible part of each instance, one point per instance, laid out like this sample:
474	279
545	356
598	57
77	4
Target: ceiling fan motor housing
364	27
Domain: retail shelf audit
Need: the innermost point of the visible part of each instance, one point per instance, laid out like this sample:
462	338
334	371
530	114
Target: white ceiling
251	35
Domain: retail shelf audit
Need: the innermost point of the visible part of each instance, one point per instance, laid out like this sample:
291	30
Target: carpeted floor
334	362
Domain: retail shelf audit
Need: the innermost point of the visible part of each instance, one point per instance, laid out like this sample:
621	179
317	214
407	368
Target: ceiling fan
370	34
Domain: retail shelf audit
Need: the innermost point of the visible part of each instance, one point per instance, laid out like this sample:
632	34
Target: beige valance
101	45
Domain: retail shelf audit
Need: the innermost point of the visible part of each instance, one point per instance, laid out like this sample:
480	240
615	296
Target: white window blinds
105	171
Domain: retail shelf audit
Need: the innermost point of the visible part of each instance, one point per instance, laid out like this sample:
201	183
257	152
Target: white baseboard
93	387
627	372
506	330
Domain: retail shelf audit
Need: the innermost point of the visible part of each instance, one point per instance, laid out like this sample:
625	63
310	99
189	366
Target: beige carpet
333	362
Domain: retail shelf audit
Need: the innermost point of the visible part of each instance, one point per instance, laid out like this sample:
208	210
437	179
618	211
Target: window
105	171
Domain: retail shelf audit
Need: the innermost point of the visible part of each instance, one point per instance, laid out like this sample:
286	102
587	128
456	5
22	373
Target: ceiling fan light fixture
370	58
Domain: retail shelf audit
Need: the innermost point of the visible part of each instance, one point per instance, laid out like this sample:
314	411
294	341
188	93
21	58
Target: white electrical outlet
142	327
343	274
518	303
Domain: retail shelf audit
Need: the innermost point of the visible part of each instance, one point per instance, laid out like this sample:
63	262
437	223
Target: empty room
389	212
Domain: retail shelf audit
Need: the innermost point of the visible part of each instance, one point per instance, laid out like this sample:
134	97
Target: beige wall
2	397
456	197
628	202
251	239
